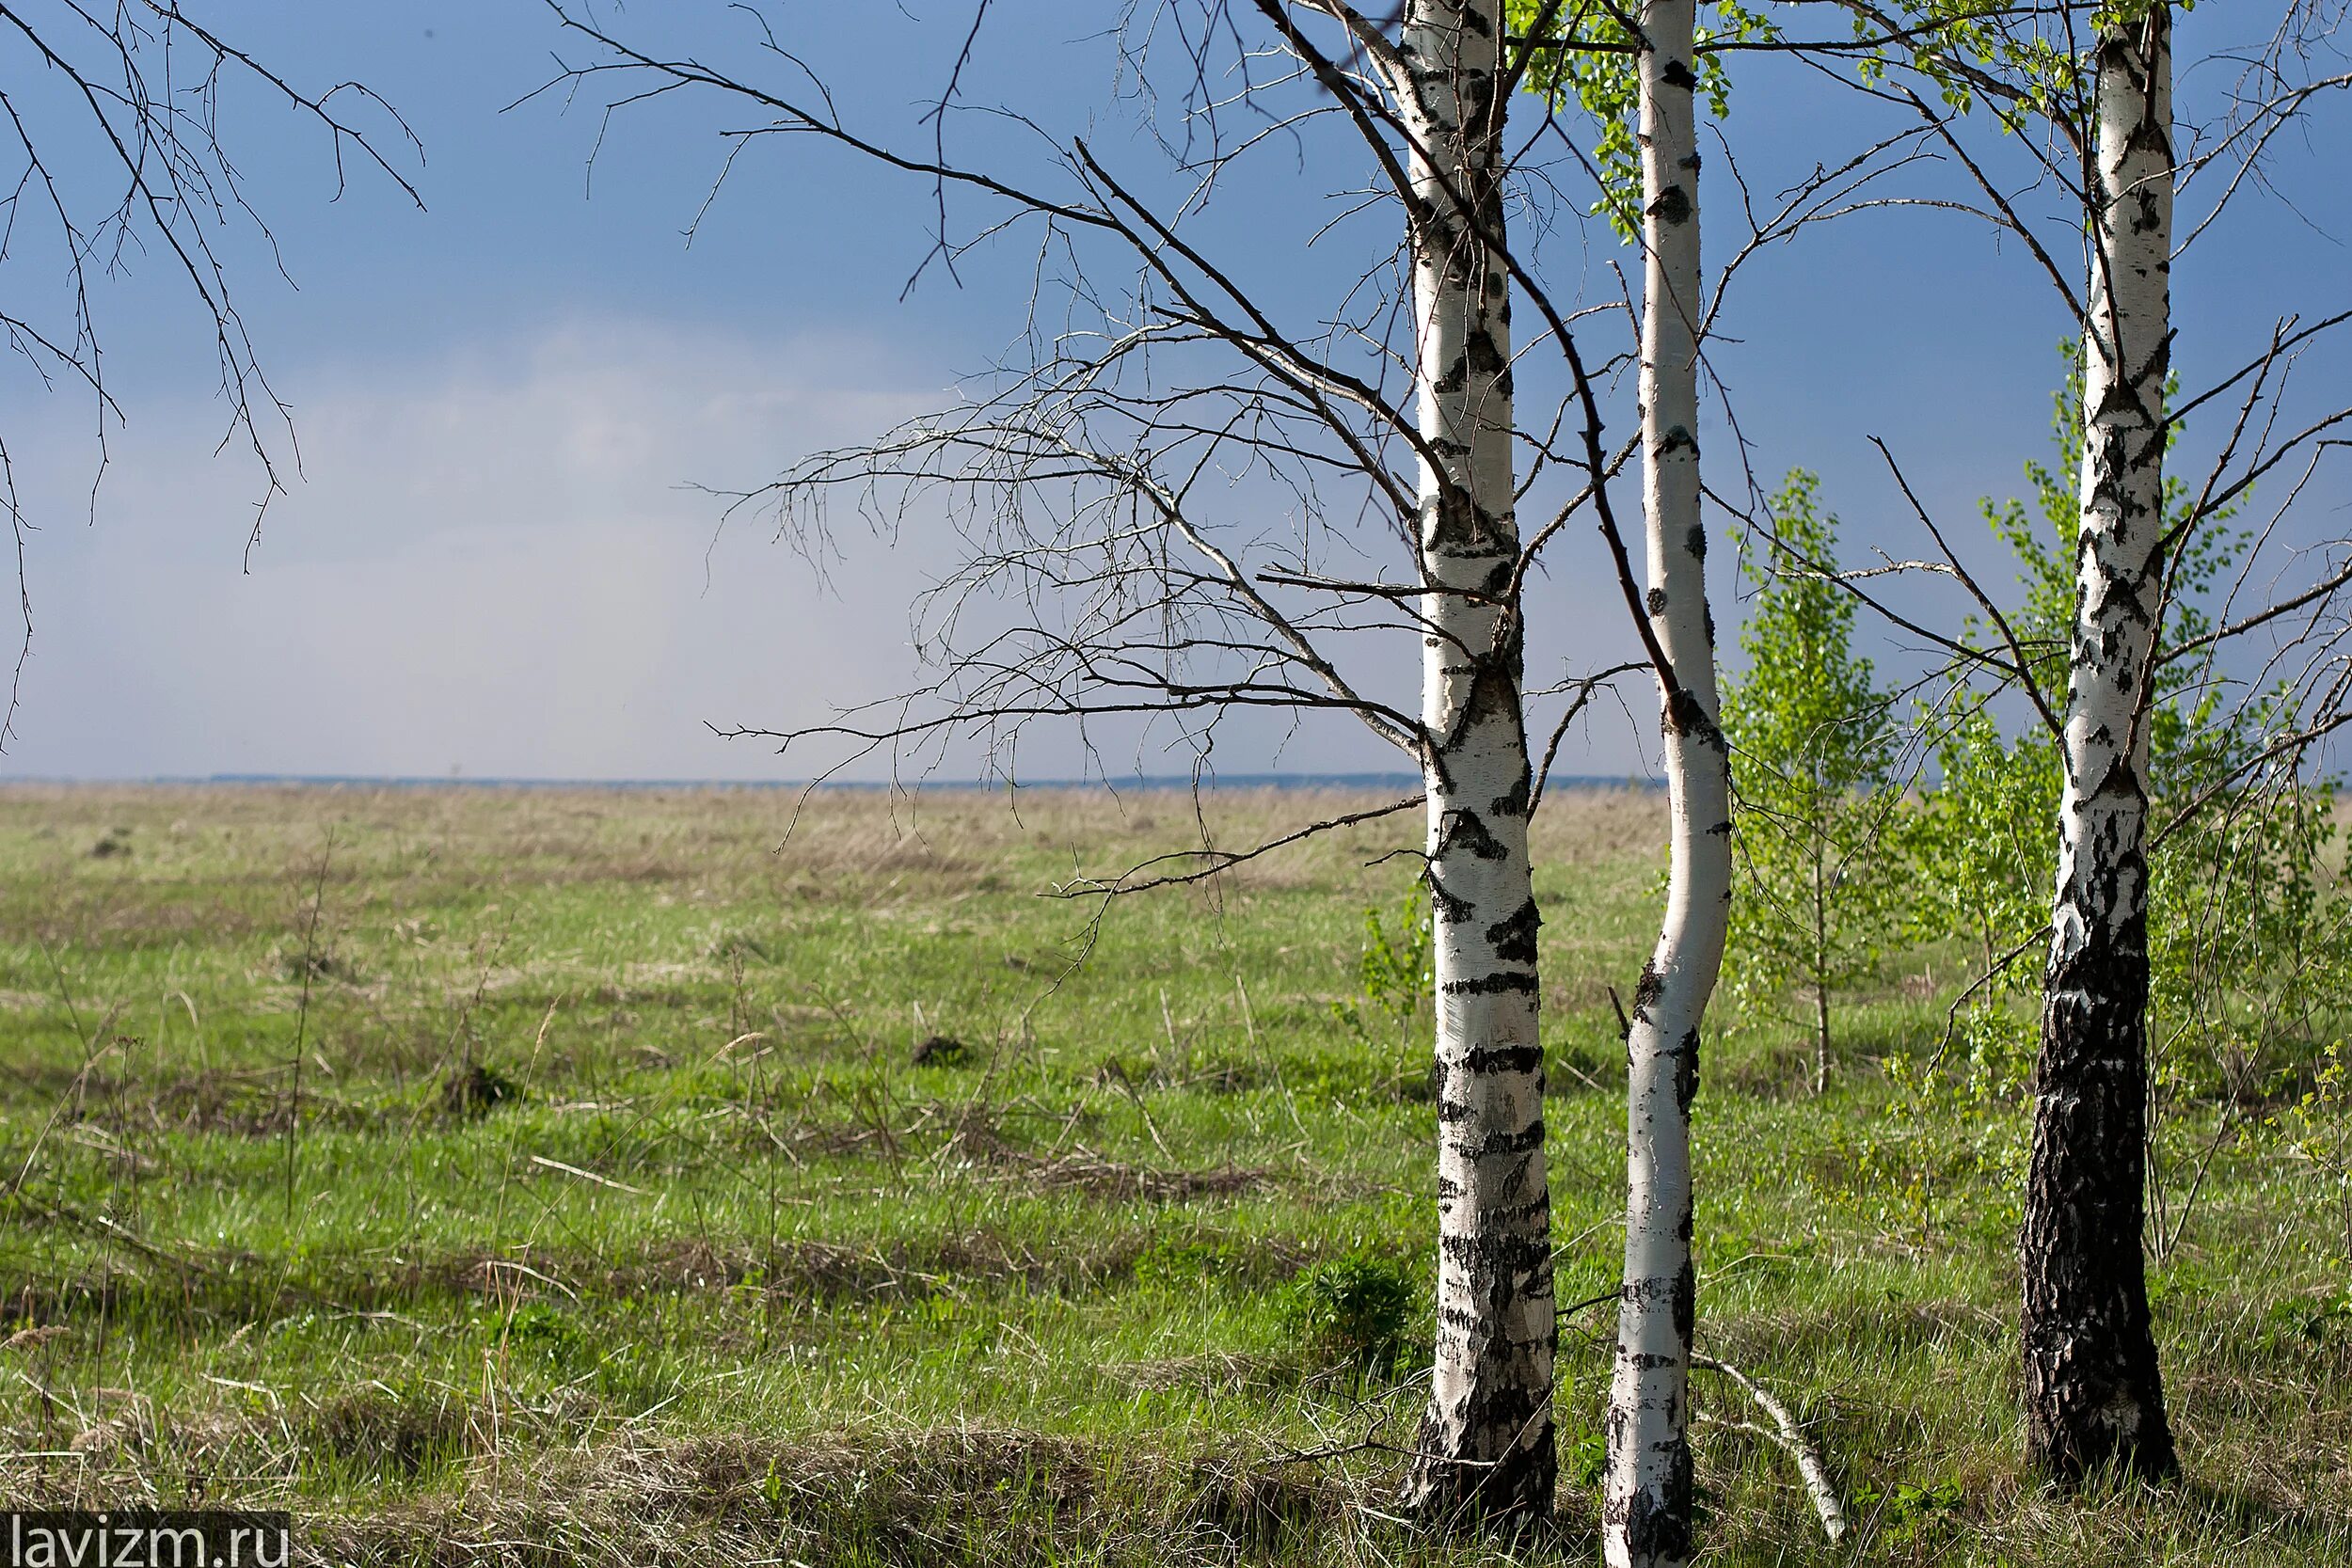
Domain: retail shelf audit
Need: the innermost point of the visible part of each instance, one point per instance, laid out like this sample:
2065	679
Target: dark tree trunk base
1511	1494
2094	1394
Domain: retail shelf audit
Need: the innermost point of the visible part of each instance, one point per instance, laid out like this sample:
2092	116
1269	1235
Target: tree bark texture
1485	1444
1646	1506
2093	1395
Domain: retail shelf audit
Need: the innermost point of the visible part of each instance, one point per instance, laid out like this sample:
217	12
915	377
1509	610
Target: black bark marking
1678	75
1515	1255
1520	1142
1656	601
1683	716
1453	525
1484	357
1696	542
1503	1058
1647	989
1513	801
1687	1071
1496	984
1448	907
1464	832
1513	936
1658	1525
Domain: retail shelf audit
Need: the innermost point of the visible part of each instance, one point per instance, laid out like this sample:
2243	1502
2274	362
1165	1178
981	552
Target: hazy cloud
493	564
497	564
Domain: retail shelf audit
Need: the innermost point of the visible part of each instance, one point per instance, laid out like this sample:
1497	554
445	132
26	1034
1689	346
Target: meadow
613	1178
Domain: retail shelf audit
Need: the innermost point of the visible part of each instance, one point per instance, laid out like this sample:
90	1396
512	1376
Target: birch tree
1647	1511
1813	753
2094	1396
1487	1435
2092	1390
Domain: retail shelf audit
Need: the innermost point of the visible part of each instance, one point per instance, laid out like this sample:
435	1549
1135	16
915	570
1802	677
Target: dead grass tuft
1110	1181
965	1495
388	1433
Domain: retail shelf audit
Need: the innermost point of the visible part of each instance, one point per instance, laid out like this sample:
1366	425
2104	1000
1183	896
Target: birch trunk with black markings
1646	1506
1485	1445
2093	1394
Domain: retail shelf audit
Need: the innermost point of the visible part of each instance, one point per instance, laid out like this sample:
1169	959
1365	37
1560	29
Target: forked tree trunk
2093	1395
1646	1509
1485	1444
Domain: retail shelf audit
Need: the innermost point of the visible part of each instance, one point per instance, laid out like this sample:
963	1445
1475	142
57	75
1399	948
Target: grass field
599	1177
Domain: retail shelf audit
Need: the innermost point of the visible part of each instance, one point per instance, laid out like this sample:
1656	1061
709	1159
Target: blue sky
494	562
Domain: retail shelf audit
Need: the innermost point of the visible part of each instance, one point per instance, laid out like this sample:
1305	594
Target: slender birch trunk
1485	1444
2094	1393
1820	944
1646	1510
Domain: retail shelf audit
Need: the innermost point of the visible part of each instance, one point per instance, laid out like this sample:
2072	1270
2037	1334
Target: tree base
2104	1448
1512	1495
2093	1387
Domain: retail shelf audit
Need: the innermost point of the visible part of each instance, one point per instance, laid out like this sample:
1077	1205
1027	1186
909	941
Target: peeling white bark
1487	1439
2094	1393
1646	1506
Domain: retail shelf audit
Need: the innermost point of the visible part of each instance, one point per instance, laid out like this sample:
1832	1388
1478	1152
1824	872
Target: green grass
719	1273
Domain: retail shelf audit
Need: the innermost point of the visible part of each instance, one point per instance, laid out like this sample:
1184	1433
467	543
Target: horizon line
1146	782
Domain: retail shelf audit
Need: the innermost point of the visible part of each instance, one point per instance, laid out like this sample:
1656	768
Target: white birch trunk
1485	1444
2094	1393
1646	1506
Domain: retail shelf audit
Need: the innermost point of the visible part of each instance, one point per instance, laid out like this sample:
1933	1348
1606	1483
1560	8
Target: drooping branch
112	107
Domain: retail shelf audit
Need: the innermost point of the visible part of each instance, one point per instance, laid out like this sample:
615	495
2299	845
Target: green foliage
2041	56
1908	1510
2244	947
540	1329
1395	973
1585	59
1812	749
1589	61
1353	1309
1585	1461
2318	1130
